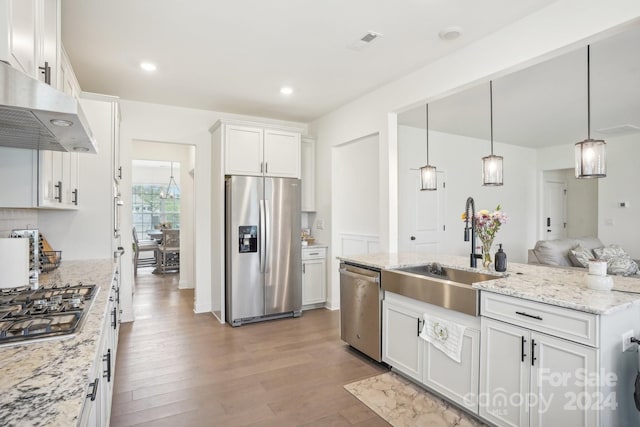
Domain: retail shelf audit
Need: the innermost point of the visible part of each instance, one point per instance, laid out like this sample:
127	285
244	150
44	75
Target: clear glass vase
486	252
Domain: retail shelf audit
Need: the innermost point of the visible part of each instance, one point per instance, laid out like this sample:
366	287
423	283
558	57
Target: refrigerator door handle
267	235
262	237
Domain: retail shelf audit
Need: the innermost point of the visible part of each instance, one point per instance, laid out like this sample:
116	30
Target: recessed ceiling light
286	90
450	33
148	66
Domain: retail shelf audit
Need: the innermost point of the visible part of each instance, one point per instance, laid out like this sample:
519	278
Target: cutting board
14	262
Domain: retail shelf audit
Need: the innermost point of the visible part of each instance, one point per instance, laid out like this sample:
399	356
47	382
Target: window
150	210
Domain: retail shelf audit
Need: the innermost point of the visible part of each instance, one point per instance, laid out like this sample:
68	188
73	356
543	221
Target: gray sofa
558	252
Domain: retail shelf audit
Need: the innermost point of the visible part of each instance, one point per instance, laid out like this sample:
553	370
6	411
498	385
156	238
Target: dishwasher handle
359	276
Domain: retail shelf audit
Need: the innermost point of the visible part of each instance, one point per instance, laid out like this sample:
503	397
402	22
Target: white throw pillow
618	261
580	256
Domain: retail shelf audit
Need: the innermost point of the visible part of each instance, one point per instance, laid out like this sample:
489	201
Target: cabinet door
22	35
72	177
243	150
401	346
504	373
313	282
281	153
51	178
563	378
49	41
308	171
457	381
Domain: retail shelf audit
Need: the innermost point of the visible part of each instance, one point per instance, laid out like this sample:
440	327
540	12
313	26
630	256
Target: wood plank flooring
177	368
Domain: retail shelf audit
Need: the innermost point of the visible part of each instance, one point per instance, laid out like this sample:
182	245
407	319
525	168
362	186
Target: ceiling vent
619	130
364	41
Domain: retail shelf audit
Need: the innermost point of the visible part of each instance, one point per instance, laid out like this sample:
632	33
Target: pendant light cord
588	93
427	130
491	111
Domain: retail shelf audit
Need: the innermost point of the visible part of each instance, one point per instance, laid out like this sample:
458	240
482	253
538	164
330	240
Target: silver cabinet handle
58	187
75	197
46	70
261	226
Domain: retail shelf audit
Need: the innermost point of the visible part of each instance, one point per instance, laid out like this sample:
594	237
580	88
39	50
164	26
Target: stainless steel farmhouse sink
443	286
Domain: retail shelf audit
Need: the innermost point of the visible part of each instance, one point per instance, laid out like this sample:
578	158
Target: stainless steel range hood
34	115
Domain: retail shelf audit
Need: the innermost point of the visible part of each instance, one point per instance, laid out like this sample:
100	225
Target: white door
555	210
421	227
401	346
504	373
457	381
563	377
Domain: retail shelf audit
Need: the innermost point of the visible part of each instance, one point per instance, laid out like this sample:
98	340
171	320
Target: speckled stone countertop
44	383
555	286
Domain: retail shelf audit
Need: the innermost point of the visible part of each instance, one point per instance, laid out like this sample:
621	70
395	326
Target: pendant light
591	154
173	191
491	165
428	177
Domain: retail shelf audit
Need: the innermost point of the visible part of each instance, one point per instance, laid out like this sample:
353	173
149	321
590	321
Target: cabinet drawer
561	322
314	253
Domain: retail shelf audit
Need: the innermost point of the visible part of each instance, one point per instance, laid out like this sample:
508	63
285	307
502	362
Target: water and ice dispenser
248	238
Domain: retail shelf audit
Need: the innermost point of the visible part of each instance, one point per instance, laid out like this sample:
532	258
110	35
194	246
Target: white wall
180	154
355	200
567	25
11	219
582	205
460	158
621	185
187	126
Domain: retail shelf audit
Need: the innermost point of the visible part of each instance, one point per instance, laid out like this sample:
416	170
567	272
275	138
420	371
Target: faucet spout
470	208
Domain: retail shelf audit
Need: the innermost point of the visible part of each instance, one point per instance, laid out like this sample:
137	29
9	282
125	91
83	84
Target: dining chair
143	246
169	250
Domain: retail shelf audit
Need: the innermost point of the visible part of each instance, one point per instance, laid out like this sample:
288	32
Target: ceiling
234	56
546	104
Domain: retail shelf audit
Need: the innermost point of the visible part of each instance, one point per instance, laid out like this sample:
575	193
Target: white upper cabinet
30	39
256	150
281	153
243	150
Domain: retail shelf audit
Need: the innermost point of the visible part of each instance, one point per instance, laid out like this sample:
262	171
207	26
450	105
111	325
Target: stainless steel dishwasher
361	309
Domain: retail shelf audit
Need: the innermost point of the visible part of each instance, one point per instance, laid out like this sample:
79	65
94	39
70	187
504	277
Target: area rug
404	404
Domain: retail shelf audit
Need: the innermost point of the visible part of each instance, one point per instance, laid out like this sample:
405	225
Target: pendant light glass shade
491	165
172	191
428	176
591	154
591	159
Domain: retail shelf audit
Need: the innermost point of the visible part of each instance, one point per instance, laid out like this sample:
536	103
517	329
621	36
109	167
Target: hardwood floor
177	368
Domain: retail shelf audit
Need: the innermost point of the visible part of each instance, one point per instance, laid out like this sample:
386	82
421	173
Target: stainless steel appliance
263	252
50	311
36	116
361	309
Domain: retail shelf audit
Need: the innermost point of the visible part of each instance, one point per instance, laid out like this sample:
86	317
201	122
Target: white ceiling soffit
546	104
234	56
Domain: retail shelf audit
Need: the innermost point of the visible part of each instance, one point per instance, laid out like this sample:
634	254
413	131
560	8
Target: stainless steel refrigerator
263	254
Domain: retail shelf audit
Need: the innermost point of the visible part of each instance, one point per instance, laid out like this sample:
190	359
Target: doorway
570	205
162	188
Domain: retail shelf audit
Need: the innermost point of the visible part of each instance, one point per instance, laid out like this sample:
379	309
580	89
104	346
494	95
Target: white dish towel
444	335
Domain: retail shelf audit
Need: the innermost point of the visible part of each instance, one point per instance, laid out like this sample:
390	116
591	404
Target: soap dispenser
501	260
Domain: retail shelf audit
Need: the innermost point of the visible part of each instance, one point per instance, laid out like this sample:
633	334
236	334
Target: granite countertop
550	285
44	383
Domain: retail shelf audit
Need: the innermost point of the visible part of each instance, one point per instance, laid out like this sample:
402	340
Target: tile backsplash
17	218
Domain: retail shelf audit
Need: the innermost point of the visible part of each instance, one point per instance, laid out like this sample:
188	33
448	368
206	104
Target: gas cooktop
52	310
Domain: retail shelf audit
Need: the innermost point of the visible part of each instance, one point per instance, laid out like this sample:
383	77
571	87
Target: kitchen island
541	335
45	383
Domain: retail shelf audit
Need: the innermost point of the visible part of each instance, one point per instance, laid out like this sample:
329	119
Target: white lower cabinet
530	378
401	345
457	381
314	276
97	408
407	353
